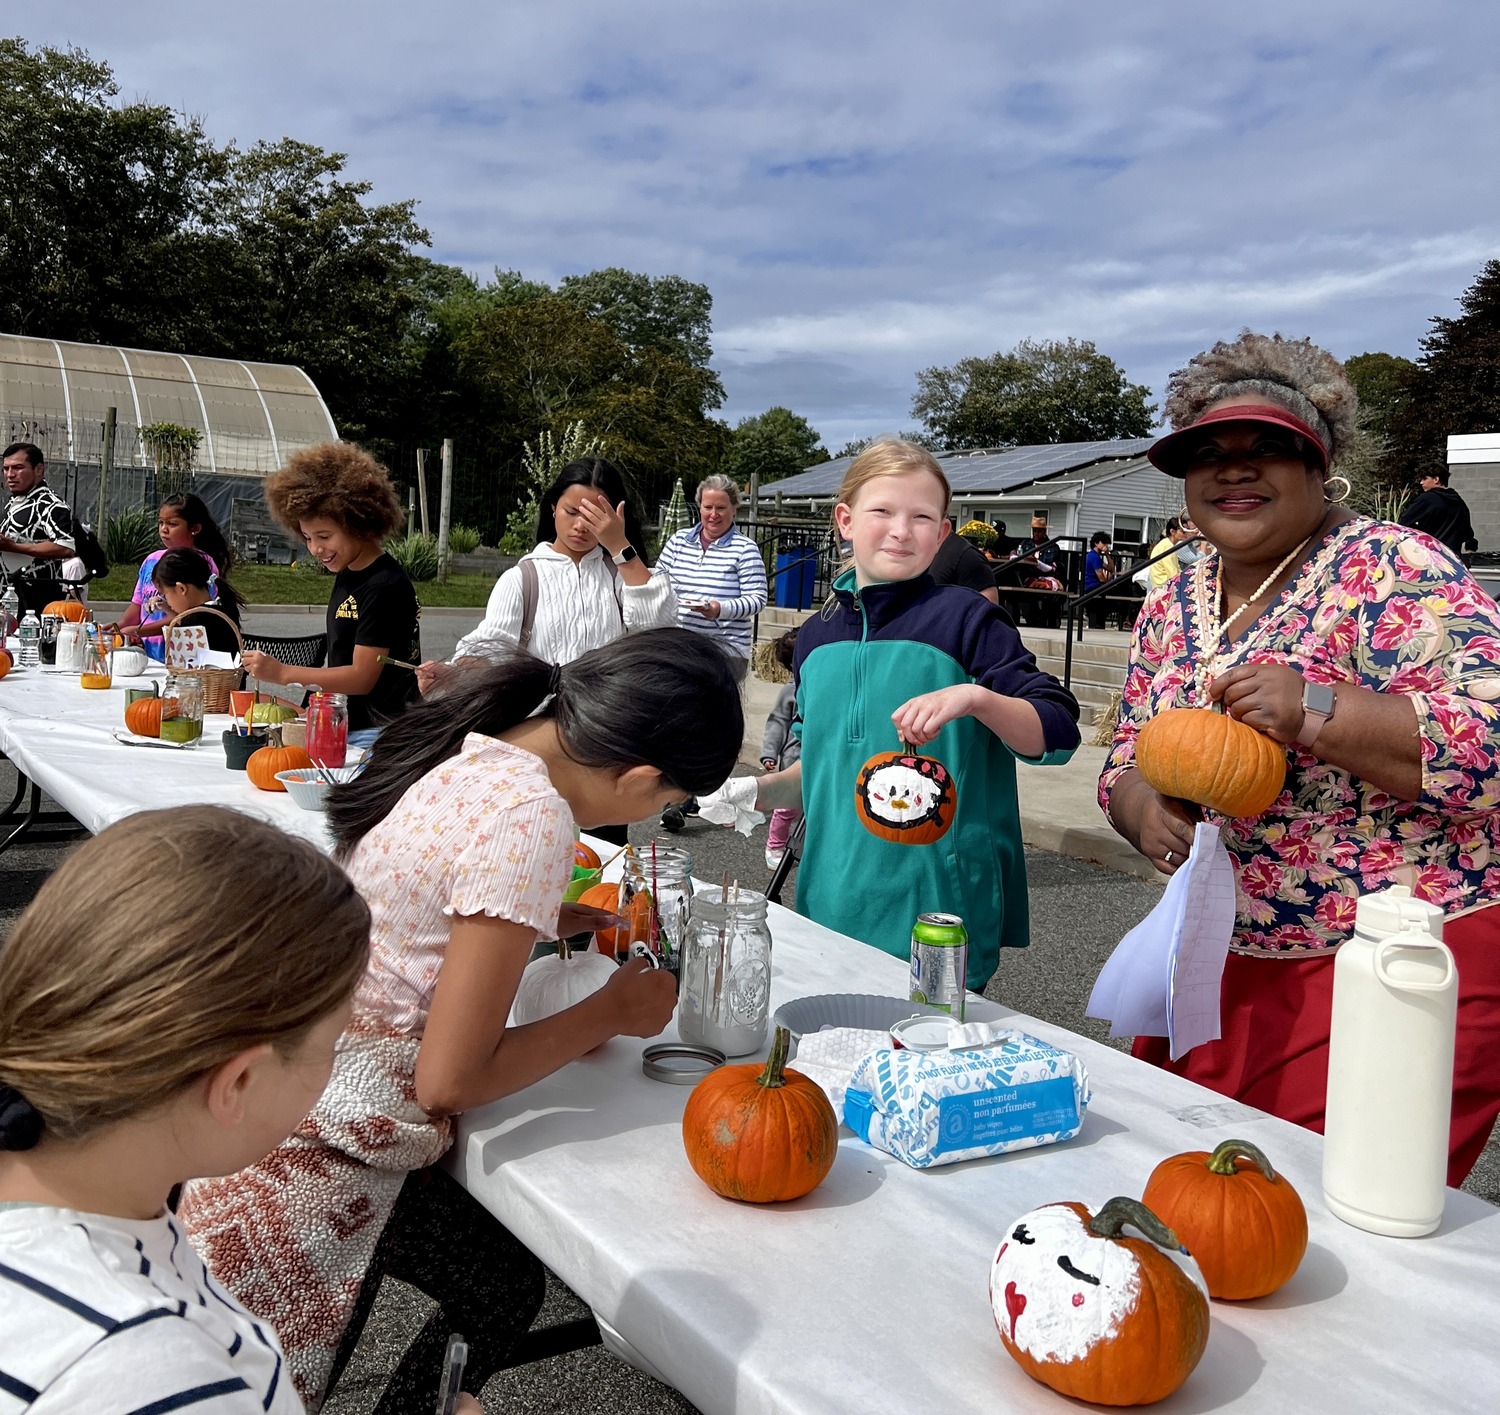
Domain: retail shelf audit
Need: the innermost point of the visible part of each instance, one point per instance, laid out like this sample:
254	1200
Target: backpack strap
614	580
529	590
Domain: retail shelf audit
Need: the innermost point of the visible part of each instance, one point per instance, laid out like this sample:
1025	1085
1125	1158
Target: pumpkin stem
775	1073
1222	1161
564	949
1113	1217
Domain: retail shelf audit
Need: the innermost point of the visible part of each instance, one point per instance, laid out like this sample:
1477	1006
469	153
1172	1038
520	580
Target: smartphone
454	1360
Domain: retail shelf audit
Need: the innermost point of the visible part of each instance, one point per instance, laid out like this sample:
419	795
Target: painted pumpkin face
1101	1318
905	798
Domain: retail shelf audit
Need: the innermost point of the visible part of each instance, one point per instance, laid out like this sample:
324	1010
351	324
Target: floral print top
485	832
1389	609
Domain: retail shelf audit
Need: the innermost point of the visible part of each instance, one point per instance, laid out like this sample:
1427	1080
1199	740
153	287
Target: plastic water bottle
10	606
1390	1068
30	635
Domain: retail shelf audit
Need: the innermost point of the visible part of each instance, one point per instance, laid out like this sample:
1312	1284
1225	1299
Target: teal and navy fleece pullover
867	653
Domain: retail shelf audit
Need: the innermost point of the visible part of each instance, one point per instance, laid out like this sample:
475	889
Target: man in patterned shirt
36	528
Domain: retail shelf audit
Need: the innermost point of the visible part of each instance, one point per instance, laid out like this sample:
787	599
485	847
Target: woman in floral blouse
1398	784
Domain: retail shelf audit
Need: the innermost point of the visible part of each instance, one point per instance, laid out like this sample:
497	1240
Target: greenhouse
217	426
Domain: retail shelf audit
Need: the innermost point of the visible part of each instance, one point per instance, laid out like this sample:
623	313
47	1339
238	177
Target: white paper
1163	979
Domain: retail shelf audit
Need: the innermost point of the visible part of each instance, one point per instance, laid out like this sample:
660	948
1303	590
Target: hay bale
1105	720
766	667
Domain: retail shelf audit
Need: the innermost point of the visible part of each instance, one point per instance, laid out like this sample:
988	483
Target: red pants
1274	1051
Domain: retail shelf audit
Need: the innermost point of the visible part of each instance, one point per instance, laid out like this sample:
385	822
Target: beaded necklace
1212	629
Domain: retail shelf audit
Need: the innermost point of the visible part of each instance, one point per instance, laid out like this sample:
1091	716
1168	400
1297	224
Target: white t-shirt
109	1315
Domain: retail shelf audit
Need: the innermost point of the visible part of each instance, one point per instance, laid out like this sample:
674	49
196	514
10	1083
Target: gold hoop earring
1343	496
1182	515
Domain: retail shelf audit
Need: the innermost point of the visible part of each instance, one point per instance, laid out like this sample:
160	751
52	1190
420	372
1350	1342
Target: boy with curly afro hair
340	500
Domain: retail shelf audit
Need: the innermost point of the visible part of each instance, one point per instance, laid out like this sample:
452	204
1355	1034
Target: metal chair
309	651
789	857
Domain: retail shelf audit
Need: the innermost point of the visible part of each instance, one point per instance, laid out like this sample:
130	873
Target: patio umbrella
675	516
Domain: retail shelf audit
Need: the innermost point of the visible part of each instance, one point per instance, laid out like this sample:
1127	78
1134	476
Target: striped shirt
729	570
115	1316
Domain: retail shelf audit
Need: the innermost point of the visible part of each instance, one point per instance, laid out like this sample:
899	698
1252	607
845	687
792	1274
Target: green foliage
980	534
853	447
130	537
1041	392
416	554
519	536
1455	387
544	461
669	314
463	540
774	444
1383	382
173	448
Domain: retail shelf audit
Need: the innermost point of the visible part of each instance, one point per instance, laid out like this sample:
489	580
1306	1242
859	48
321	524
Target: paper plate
845	1009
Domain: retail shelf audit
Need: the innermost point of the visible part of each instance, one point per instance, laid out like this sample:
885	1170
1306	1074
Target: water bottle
1390	1068
30	635
10	606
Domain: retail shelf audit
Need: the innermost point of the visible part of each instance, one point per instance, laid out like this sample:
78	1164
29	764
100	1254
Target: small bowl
304	788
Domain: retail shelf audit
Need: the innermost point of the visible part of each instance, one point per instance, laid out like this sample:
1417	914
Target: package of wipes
1007	1092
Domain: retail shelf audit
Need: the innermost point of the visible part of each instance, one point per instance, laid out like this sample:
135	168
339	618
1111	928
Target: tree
774	444
853	447
665	312
1040	392
1456	385
1383	382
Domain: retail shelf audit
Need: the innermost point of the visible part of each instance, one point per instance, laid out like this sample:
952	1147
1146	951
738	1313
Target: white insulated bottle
1390	1068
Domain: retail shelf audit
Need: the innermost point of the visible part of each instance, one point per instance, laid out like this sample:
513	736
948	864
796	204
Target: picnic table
871	1292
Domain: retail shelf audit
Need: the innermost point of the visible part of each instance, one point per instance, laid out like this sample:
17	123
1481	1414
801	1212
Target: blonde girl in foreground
141	1047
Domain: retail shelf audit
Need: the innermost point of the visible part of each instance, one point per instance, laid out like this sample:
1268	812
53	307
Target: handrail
1076	604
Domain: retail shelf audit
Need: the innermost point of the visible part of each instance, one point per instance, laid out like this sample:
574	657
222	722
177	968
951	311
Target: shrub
463	540
520	531
130	537
416	554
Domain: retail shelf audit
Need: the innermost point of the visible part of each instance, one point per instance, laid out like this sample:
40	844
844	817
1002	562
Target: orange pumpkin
1209	758
905	797
6	662
1241	1220
1094	1315
637	912
143	717
583	857
762	1134
69	609
264	764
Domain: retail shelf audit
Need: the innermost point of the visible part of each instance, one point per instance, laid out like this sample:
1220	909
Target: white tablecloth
60	735
870	1294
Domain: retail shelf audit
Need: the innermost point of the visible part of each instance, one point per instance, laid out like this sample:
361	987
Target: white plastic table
870	1294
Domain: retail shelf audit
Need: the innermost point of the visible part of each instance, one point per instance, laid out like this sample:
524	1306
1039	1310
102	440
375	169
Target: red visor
1166	453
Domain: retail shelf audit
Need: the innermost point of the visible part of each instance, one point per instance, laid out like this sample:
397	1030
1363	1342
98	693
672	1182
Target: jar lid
679	1063
1390	911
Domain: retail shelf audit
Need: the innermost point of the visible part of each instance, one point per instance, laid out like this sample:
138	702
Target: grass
280	584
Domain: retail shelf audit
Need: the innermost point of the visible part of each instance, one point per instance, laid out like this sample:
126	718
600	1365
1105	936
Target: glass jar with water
665	875
724	990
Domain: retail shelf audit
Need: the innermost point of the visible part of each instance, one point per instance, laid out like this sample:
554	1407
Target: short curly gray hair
716	482
1294	374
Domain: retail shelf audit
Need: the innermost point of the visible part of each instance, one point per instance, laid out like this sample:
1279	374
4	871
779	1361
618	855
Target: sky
869	189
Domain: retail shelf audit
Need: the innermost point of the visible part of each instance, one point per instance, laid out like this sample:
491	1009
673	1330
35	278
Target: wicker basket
218	683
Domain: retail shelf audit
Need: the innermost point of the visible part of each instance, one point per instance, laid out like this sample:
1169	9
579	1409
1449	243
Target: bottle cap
1395	910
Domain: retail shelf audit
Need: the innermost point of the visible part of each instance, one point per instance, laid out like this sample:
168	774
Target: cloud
870	188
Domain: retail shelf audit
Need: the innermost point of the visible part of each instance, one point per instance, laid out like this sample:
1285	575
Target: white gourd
559	981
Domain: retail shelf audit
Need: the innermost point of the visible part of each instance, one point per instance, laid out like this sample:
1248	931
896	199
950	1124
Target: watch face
1318	698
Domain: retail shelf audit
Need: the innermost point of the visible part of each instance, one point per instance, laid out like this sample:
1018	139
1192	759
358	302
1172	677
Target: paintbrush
396	662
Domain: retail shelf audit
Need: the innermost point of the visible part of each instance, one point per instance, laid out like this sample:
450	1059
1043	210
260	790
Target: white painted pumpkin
555	983
1095	1315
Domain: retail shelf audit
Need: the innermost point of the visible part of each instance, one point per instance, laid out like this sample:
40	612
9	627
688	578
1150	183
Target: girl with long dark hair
460	837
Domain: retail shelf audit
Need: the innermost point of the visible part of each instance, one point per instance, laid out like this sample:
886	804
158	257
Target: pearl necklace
1212	656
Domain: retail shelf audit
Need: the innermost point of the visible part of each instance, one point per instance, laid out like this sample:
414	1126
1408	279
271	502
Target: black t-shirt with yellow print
376	607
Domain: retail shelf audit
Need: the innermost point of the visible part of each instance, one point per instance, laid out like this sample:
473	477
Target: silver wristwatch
1318	702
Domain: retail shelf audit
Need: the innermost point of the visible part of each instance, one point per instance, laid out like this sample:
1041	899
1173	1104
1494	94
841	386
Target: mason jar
665	876
724	991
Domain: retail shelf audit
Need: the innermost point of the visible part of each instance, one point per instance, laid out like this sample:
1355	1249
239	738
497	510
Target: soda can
940	962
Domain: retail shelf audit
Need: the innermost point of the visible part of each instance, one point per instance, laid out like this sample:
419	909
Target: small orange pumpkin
1092	1314
905	797
69	609
143	717
1245	1224
762	1134
583	857
264	764
637	913
1209	758
6	662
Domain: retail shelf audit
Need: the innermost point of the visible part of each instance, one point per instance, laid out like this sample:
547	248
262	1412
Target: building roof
252	416
972	473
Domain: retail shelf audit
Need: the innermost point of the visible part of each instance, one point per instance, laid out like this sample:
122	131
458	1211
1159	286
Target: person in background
183	522
459	834
717	573
36	528
186	582
1188	552
1441	512
1169	567
959	562
340	500
1098	569
780	747
133	1058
